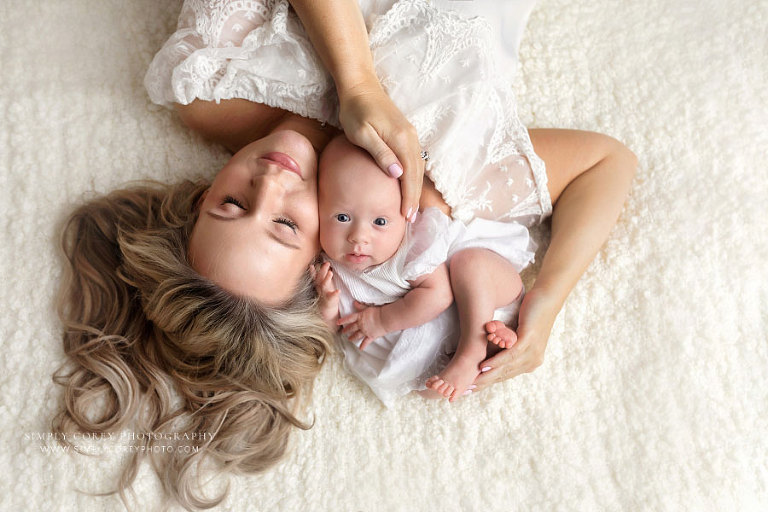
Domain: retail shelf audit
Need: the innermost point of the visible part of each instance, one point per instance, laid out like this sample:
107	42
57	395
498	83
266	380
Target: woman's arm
589	176
369	118
431	295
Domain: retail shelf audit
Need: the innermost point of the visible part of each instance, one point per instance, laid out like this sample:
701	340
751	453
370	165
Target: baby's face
360	221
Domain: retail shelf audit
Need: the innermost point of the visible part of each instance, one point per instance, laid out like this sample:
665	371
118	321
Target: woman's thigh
569	153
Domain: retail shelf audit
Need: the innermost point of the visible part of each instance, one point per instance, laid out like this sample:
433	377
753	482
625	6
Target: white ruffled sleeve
430	239
254	50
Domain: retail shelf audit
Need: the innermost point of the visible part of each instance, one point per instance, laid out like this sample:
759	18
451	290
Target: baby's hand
329	295
364	325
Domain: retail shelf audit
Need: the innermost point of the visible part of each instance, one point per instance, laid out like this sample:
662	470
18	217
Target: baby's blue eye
342	217
380	221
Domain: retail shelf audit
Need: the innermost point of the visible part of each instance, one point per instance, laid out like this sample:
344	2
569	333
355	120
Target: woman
204	289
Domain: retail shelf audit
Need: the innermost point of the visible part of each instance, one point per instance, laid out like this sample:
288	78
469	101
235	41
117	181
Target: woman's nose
266	190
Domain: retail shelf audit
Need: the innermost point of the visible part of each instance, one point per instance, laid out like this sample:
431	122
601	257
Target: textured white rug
654	393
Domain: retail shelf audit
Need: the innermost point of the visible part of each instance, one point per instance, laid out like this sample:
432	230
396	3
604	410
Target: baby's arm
431	295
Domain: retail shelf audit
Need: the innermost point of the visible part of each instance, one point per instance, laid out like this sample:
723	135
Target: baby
390	286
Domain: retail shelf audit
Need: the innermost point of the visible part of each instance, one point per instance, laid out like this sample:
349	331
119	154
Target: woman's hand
369	118
372	121
537	315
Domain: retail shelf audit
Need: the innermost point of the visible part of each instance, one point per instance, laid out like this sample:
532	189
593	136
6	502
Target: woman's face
257	228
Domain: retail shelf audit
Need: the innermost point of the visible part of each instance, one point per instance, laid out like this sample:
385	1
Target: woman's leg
589	177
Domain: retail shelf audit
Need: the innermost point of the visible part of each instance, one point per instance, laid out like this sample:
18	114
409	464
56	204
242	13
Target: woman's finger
404	142
524	357
412	178
368	138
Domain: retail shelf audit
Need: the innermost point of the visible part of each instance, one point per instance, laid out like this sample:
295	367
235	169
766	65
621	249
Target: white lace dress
439	68
401	361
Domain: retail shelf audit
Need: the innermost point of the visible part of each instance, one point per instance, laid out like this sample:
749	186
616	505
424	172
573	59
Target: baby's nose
359	235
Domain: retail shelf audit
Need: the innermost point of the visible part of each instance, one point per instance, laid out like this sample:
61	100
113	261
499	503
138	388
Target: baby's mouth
354	257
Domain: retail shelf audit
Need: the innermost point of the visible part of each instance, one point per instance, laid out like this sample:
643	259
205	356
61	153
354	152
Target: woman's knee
568	154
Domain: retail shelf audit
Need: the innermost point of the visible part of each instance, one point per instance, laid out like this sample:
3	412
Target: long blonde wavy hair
155	347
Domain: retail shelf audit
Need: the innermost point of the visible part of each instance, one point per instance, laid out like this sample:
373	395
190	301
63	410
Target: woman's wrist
355	82
551	292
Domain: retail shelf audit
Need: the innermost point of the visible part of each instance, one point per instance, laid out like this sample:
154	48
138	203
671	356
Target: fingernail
408	215
473	386
467	392
485	369
395	170
415	215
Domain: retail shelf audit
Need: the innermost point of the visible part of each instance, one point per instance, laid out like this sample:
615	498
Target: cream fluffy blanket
653	393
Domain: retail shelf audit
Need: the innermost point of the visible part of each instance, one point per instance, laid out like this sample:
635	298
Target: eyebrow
273	236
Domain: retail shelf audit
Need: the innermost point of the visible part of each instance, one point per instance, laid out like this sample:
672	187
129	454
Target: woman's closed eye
280	220
232	200
287	222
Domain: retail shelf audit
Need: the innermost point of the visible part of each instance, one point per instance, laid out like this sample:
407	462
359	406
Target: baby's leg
482	281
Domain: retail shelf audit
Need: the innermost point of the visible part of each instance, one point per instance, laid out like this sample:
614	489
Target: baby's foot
455	379
500	335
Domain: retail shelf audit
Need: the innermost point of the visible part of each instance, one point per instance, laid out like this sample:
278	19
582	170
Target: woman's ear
200	199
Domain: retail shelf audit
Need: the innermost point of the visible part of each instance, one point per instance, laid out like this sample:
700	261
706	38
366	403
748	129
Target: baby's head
360	220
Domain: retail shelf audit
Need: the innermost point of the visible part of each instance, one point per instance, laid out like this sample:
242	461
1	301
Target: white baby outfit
401	361
438	66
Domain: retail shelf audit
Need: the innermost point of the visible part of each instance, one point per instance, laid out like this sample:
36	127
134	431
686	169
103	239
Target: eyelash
279	220
287	222
232	200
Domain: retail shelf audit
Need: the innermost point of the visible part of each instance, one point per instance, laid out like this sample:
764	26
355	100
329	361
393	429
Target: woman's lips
284	161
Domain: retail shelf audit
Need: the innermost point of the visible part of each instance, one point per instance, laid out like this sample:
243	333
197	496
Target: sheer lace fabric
438	67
